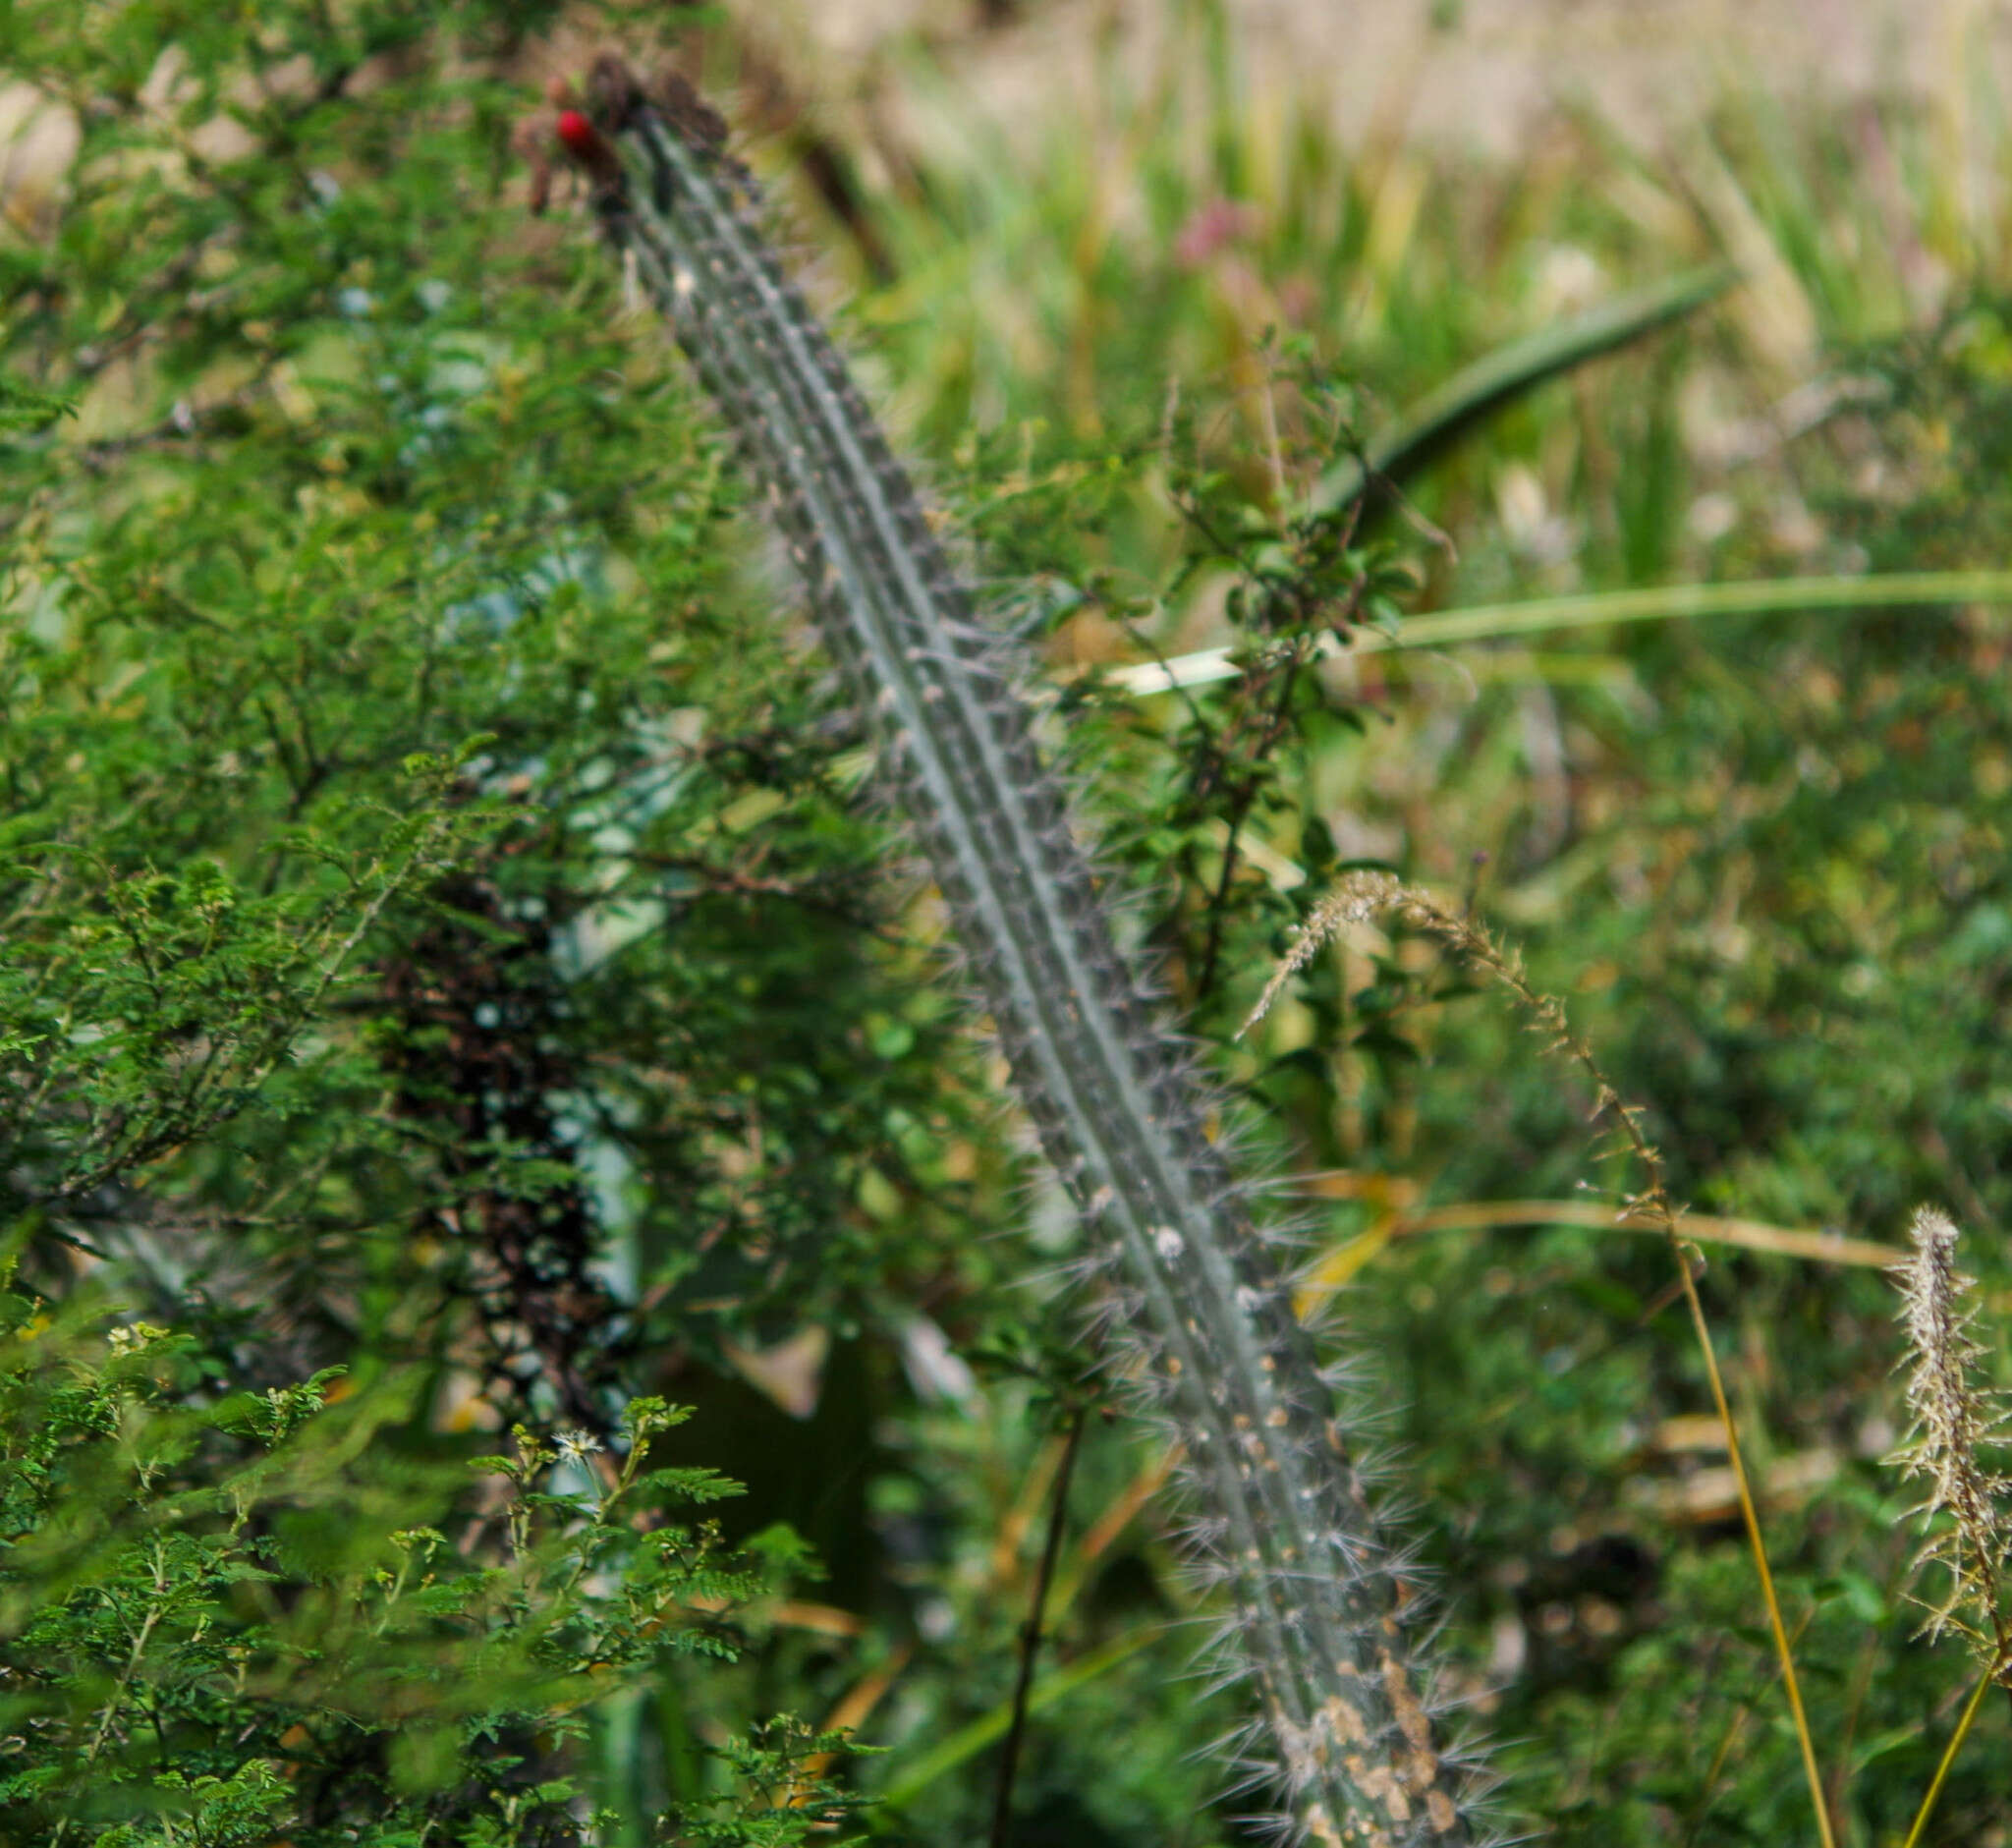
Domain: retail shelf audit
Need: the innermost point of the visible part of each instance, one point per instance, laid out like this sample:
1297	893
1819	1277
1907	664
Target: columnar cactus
1195	1307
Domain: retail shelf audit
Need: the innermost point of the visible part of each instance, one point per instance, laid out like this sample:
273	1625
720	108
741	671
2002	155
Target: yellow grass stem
1752	1516
1955	1744
1340	1265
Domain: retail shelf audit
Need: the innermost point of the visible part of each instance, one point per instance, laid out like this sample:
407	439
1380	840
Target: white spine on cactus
1325	1613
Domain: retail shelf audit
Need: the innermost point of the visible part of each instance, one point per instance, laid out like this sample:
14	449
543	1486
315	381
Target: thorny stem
1197	1305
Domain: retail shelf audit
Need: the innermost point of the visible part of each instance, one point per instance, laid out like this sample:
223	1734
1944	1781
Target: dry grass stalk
1954	1420
1364	895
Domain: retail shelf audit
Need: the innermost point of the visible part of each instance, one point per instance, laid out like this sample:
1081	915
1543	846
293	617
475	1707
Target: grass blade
1478	391
1669	602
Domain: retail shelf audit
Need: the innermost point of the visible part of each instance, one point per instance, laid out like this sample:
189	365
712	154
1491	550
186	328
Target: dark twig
1031	1636
1246	799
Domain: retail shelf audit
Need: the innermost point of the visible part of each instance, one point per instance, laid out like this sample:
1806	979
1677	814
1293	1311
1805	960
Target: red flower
590	147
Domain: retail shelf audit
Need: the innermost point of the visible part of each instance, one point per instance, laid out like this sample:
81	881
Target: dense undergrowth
441	943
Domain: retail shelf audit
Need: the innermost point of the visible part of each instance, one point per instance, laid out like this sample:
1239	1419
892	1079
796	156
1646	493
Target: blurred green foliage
215	1626
444	943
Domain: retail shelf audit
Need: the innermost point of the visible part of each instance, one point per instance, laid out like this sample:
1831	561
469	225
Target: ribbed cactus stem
1197	1315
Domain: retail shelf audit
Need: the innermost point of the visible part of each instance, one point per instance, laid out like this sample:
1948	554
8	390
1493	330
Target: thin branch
1030	1636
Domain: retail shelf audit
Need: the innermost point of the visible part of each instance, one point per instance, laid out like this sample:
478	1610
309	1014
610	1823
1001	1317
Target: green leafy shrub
217	1624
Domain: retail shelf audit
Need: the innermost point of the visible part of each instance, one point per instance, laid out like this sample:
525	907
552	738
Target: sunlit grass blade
1670	603
1487	622
1338	1267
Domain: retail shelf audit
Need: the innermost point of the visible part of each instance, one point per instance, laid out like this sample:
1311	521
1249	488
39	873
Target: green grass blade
1478	391
1488	622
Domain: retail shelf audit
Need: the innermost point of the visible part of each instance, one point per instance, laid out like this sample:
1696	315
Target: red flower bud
590	147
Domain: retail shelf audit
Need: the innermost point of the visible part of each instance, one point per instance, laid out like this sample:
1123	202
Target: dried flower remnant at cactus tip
1954	1419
